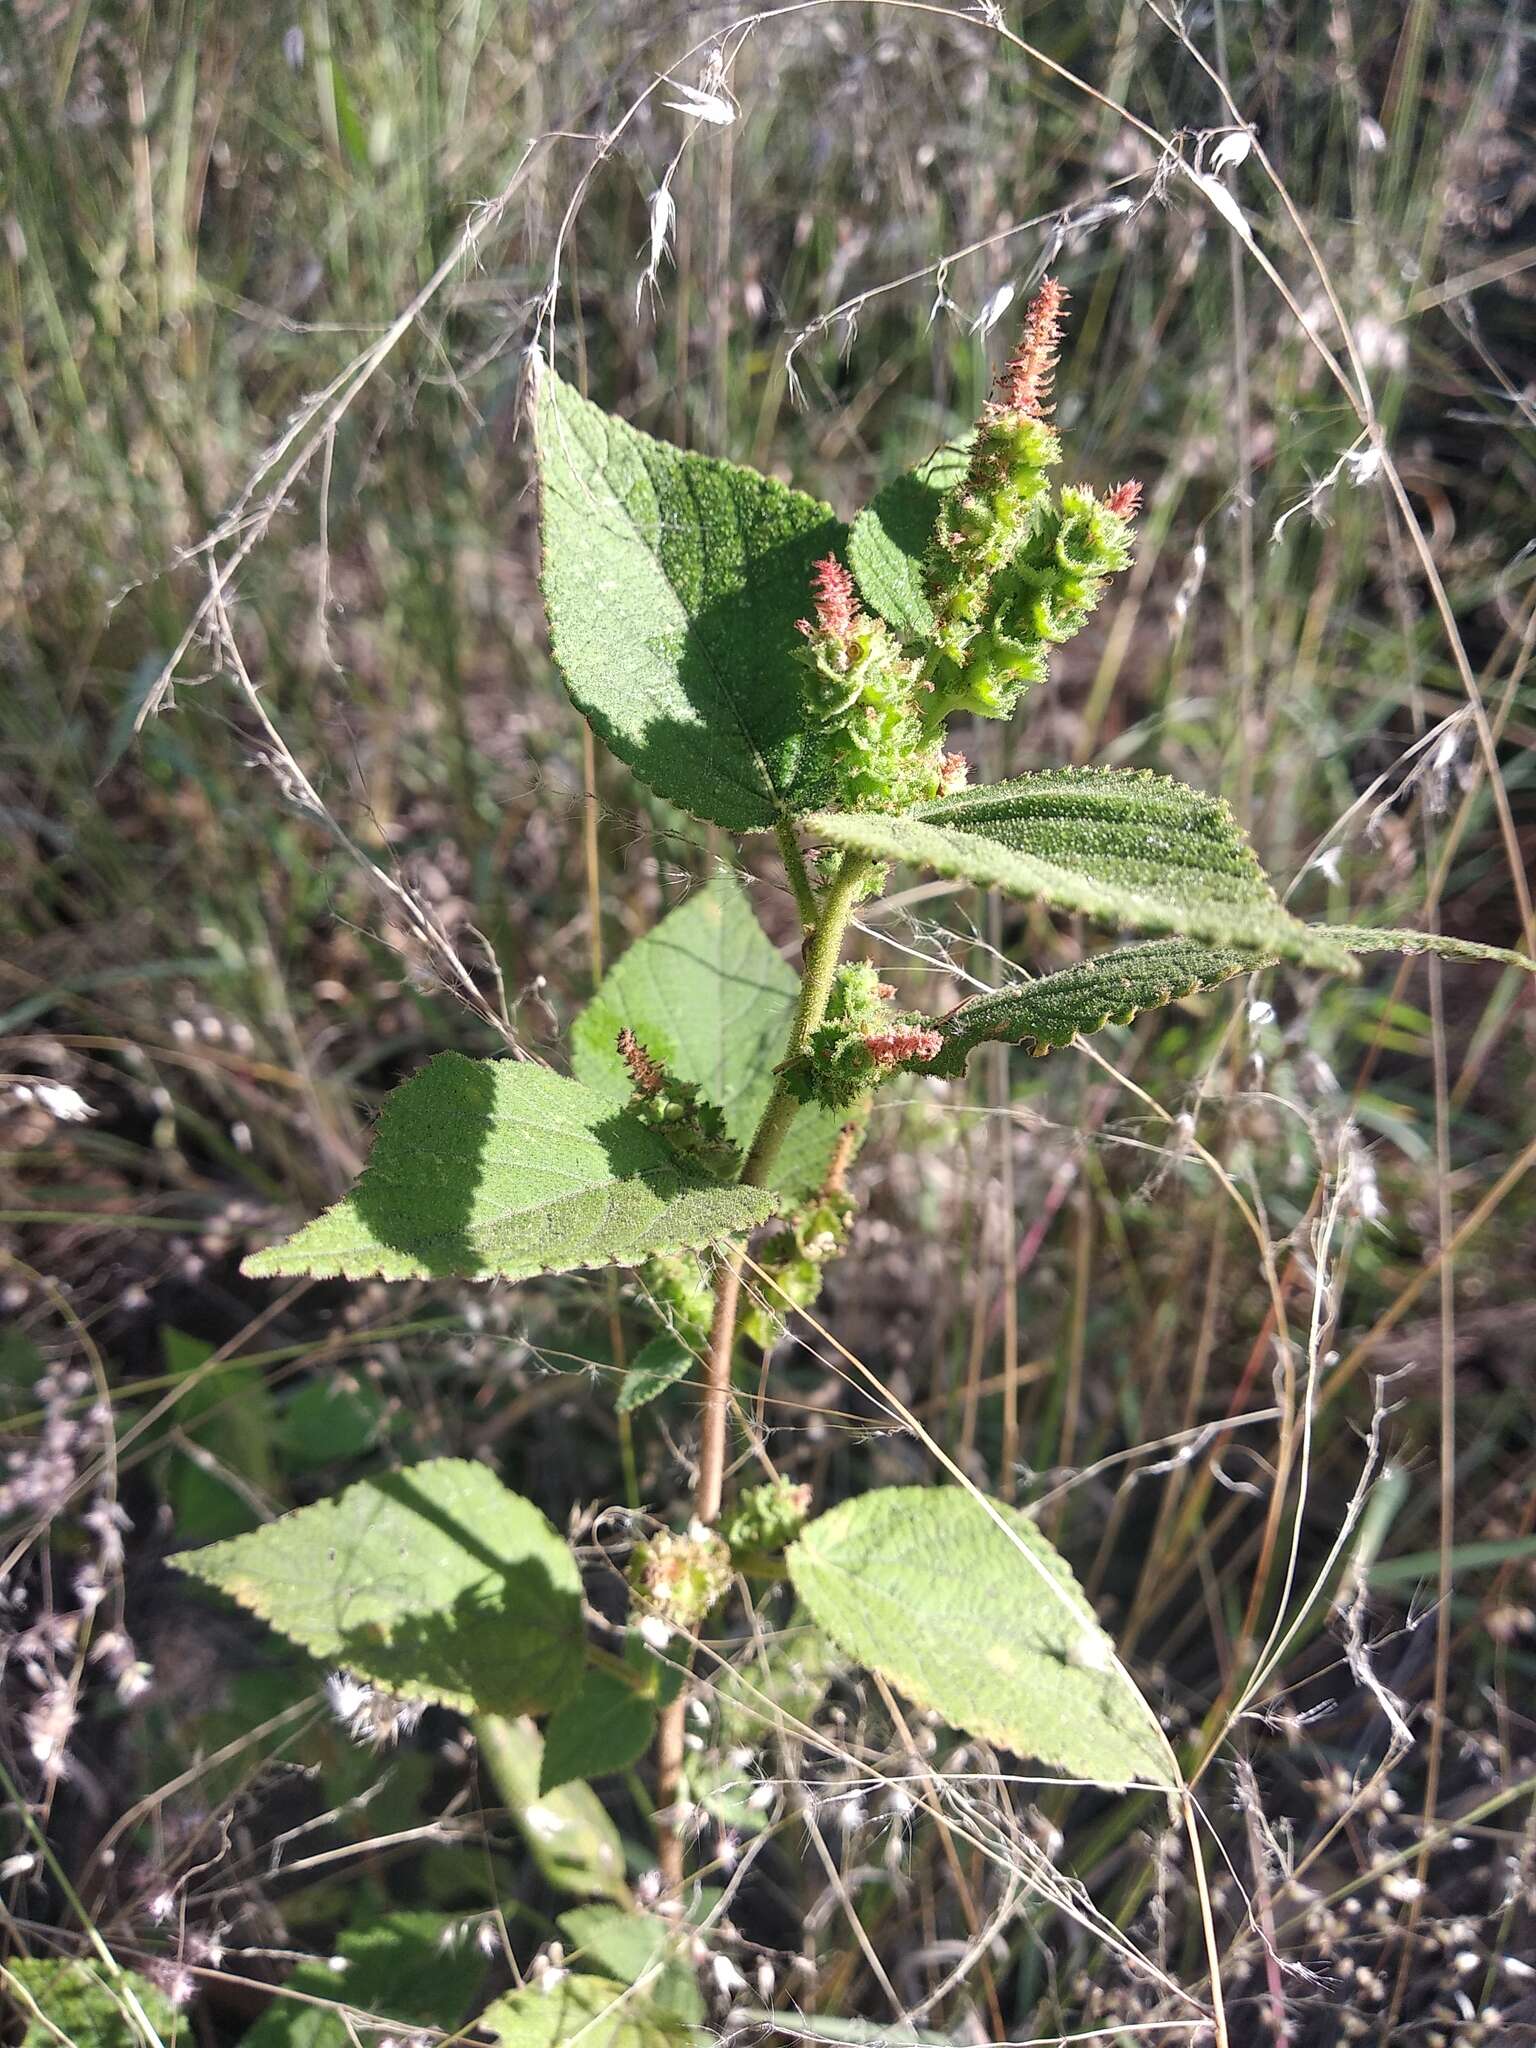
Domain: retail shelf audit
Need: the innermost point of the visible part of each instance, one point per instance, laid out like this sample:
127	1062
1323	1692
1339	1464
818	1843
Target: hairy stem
823	951
797	873
709	1489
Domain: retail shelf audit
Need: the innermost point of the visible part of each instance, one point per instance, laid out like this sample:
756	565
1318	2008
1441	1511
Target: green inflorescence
692	1127
680	1575
860	1040
1013	570
766	1518
678	1286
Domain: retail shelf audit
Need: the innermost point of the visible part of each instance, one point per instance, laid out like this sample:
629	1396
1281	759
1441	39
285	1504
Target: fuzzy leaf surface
605	1726
654	1367
86	2007
1123	846
979	1620
673	583
1111	988
438	1583
498	1167
707	995
1359	938
604	2012
888	541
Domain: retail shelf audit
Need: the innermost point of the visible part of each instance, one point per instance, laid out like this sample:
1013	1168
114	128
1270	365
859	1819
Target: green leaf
1111	988
225	1413
329	1420
602	2011
888	541
629	1946
569	1835
402	1970
673	583
90	2009
707	995
437	1582
656	1366
605	1727
499	1167
967	1609
1359	938
1123	846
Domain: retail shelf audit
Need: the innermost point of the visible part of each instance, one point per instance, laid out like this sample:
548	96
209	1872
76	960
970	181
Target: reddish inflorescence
837	606
903	1042
1124	499
954	773
648	1075
1025	383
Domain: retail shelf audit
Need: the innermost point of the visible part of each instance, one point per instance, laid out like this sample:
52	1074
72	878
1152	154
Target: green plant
766	669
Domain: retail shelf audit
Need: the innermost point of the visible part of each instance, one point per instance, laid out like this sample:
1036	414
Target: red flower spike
648	1075
905	1042
837	606
1025	383
954	773
1124	499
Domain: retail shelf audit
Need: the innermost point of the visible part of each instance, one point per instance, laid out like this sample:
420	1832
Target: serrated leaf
402	1969
568	1832
88	2008
707	995
438	1583
603	2012
605	1726
1359	938
1123	846
673	583
889	539
629	1946
484	1167
655	1367
975	1616
1111	988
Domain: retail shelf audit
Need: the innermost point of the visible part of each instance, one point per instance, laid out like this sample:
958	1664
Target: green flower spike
1011	573
865	695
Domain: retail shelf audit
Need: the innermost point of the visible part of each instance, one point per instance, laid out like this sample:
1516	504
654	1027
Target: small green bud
675	1282
767	1518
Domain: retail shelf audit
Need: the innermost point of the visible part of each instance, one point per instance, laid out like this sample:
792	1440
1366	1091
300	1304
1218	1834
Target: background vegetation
261	410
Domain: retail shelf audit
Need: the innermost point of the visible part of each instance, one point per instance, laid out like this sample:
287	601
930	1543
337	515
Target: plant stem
1207	1921
709	1490
823	950
799	877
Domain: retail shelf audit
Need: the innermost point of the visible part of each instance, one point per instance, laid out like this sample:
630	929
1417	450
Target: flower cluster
766	1519
693	1128
678	1288
860	1041
864	694
1013	570
681	1576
